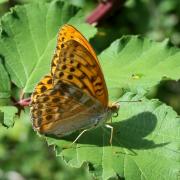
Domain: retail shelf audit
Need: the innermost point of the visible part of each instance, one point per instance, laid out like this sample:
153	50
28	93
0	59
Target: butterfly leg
85	130
80	135
112	129
111	120
77	138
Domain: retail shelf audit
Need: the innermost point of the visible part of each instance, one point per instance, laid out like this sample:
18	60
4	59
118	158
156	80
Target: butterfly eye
115	114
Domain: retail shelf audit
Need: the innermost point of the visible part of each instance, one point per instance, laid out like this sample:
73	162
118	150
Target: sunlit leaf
145	140
28	39
138	64
7	115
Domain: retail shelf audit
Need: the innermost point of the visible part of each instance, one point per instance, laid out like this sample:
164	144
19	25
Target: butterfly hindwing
42	86
64	109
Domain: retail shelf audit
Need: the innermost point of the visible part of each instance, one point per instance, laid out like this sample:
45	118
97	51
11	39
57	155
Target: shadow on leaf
130	133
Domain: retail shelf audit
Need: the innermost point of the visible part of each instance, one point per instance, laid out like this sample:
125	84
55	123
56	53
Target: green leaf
7	115
3	1
145	143
137	64
28	39
32	1
4	84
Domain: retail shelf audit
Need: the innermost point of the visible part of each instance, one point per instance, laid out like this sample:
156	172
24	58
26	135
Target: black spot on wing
49	81
49	117
43	89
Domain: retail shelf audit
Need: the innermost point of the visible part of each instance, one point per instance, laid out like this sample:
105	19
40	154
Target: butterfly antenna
129	101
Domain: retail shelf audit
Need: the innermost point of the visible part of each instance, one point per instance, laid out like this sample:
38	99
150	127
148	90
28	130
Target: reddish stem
103	9
22	102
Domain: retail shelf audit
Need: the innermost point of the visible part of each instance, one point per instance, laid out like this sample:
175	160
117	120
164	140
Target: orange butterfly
73	96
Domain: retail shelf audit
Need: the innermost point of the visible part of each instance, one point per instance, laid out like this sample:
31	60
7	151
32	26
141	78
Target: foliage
144	140
23	155
146	134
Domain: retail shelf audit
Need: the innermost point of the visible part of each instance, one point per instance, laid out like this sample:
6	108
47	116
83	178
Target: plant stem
103	9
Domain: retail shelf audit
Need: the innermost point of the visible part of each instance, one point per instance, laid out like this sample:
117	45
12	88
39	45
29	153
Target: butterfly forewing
66	33
77	66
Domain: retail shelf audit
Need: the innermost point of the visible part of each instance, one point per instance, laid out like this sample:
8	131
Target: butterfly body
74	95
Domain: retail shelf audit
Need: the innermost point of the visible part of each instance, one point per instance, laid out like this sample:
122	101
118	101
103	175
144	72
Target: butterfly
74	95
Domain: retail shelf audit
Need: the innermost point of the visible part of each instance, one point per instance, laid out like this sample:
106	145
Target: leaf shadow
130	134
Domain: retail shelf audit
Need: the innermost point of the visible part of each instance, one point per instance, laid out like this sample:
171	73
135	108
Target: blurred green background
23	155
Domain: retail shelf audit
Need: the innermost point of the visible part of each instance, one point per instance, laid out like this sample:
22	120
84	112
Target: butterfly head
114	108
